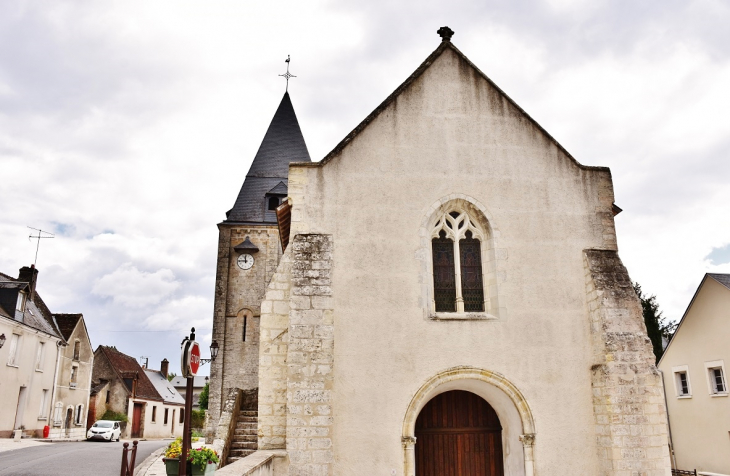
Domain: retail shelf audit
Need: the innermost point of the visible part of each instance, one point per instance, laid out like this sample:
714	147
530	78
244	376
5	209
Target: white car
104	430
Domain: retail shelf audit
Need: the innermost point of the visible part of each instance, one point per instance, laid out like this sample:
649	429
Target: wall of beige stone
273	348
452	132
628	397
237	294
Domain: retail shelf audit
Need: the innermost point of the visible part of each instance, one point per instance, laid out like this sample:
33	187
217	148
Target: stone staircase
245	437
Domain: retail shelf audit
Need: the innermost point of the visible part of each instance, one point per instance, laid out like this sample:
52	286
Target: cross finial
287	75
445	33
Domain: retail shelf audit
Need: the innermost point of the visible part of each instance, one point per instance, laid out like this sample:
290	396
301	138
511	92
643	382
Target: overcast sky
127	128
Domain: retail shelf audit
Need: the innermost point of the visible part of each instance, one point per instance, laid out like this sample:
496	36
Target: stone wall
238	294
310	359
628	399
273	346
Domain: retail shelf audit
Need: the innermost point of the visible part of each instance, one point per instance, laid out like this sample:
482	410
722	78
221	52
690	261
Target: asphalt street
82	458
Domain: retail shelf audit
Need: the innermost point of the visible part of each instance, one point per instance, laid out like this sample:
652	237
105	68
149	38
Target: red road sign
194	358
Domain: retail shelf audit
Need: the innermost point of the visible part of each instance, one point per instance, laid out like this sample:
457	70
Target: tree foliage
171	376
203	399
658	328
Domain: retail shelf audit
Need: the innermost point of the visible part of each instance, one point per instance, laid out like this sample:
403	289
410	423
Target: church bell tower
248	254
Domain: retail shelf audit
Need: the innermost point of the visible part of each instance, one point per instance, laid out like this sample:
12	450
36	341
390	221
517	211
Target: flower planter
209	469
172	466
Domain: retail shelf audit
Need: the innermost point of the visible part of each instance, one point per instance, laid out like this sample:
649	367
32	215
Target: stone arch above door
517	421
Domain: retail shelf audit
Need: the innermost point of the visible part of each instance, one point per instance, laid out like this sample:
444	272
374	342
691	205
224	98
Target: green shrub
197	419
114	416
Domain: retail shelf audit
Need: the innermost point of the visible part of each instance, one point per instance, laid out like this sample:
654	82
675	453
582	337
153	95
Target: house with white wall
694	367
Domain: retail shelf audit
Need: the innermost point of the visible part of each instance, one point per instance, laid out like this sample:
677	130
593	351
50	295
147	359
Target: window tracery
458	282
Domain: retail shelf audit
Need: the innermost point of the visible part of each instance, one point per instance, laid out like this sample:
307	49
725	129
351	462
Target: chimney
29	275
163	367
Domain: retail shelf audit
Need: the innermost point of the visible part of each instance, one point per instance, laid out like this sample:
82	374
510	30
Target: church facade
449	299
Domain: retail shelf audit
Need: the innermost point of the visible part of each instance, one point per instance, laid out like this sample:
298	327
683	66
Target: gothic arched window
457	264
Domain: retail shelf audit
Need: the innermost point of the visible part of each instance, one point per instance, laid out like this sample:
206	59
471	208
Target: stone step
247	418
244	445
248	437
246	425
246	431
240	452
232	459
248	413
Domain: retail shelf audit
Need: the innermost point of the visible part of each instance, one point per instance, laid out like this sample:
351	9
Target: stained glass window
472	289
444	282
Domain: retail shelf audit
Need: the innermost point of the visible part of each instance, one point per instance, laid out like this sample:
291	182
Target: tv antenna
146	361
38	237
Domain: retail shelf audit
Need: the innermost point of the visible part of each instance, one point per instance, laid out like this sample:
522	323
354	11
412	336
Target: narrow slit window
472	288
444	282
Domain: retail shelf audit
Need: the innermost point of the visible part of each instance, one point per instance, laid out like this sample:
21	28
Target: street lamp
191	362
2	343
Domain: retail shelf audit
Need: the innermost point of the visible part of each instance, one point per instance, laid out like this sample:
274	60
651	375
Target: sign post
190	363
189	367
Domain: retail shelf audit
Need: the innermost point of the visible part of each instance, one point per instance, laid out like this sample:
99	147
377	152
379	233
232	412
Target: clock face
245	261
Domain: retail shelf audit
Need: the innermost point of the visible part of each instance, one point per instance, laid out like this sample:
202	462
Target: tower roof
282	144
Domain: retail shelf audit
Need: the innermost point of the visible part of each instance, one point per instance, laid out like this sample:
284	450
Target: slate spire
282	144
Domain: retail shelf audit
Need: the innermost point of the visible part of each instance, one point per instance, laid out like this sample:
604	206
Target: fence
681	472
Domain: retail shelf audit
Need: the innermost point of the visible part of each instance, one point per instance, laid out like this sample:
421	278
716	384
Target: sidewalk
153	465
9	444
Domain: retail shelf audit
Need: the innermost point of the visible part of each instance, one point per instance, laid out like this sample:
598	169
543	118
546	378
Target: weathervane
38	237
287	75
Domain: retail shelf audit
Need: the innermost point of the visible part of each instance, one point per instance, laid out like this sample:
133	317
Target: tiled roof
723	279
127	367
36	313
282	144
164	387
280	189
198	381
67	323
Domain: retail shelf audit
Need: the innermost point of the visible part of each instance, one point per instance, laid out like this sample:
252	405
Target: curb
144	466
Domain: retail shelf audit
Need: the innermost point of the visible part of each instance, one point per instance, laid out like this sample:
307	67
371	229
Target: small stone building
153	407
441	291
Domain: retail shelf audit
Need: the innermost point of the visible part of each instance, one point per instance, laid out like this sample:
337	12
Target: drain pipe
669	425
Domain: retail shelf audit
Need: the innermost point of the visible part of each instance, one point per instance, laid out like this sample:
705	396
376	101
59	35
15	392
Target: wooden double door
458	434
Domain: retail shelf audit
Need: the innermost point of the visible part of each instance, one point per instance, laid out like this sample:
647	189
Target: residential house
695	366
153	408
73	381
37	366
199	383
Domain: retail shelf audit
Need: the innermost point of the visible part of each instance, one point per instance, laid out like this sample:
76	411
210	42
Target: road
82	458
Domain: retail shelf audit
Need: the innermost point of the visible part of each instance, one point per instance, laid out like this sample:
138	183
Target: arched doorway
458	434
69	419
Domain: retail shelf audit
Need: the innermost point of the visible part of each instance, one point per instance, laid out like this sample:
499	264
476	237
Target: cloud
719	255
127	286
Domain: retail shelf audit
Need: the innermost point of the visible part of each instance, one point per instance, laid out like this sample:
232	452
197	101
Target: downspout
669	425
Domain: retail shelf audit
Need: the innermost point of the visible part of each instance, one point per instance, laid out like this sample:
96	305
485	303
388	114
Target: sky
127	128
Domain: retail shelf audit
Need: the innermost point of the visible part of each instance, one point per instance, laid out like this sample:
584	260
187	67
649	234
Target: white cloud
127	286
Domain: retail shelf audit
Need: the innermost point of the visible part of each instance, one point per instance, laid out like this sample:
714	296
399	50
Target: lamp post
190	364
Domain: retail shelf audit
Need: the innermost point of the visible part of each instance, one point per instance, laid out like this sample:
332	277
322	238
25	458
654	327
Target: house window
681	381
273	203
39	356
165	422
58	414
14	350
44	402
456	243
20	305
154	413
79	415
74	374
76	350
182	415
716	378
